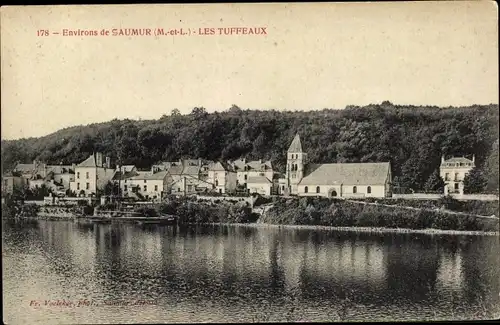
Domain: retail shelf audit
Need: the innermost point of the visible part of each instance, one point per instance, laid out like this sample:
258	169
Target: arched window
306	189
369	189
354	189
317	189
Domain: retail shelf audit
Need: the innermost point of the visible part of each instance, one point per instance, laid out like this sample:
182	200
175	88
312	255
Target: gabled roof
296	146
126	168
60	169
176	170
346	174
221	166
191	170
25	168
258	179
259	165
89	162
118	175
150	176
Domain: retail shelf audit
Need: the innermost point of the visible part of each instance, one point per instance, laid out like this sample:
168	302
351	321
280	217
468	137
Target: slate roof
25	168
60	169
176	170
296	146
149	176
89	162
125	168
240	165
221	166
458	160
191	170
118	175
346	173
258	179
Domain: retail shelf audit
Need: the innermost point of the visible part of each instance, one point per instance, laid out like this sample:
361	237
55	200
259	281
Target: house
61	175
10	182
333	180
223	177
453	171
188	176
92	174
151	186
189	185
246	169
54	177
31	172
260	185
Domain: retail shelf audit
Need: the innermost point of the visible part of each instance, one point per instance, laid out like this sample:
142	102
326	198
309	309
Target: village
96	177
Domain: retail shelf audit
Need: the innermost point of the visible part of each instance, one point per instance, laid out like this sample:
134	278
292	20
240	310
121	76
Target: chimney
442	159
108	162
474	158
98	159
73	166
199	162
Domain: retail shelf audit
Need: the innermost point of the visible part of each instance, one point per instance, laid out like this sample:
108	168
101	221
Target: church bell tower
296	161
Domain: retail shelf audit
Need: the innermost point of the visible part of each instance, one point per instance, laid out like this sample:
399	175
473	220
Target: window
456	176
283	187
447	176
306	189
246	177
369	189
156	188
87	186
317	189
220	190
87	175
354	189
178	189
261	174
216	183
144	181
456	186
125	181
145	188
125	188
78	175
77	186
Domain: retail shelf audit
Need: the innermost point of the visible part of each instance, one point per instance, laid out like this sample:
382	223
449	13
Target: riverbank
364	229
337	214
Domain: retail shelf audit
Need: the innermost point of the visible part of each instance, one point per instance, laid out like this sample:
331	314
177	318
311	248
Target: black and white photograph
250	162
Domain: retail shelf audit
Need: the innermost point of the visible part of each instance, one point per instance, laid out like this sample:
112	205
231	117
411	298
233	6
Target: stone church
348	180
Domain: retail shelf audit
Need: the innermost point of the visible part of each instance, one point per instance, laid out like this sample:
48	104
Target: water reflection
240	273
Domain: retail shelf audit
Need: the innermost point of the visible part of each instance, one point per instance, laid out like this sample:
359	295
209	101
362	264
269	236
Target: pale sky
314	56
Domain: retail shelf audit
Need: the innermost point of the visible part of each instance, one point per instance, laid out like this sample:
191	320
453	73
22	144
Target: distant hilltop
411	138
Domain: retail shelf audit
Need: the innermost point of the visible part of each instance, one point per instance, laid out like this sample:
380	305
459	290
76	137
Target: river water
64	272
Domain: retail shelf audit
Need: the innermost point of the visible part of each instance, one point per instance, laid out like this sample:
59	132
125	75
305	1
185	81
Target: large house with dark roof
92	174
333	180
453	171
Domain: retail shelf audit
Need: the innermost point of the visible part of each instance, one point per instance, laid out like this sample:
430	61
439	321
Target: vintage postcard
270	162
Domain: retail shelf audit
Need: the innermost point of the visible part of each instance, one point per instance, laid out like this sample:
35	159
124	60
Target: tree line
412	138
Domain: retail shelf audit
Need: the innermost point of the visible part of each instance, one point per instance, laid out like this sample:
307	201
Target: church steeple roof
296	146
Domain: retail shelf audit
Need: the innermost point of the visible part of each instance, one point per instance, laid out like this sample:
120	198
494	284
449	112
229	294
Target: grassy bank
340	213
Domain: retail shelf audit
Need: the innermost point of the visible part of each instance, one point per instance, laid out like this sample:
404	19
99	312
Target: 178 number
42	32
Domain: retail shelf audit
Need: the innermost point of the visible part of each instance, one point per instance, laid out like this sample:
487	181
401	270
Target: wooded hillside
412	138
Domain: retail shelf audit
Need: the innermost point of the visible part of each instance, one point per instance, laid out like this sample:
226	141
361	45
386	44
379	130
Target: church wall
345	191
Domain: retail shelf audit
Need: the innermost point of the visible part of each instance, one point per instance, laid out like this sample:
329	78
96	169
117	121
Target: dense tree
412	138
434	183
474	181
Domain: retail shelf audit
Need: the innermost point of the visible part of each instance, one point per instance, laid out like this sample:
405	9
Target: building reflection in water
272	264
